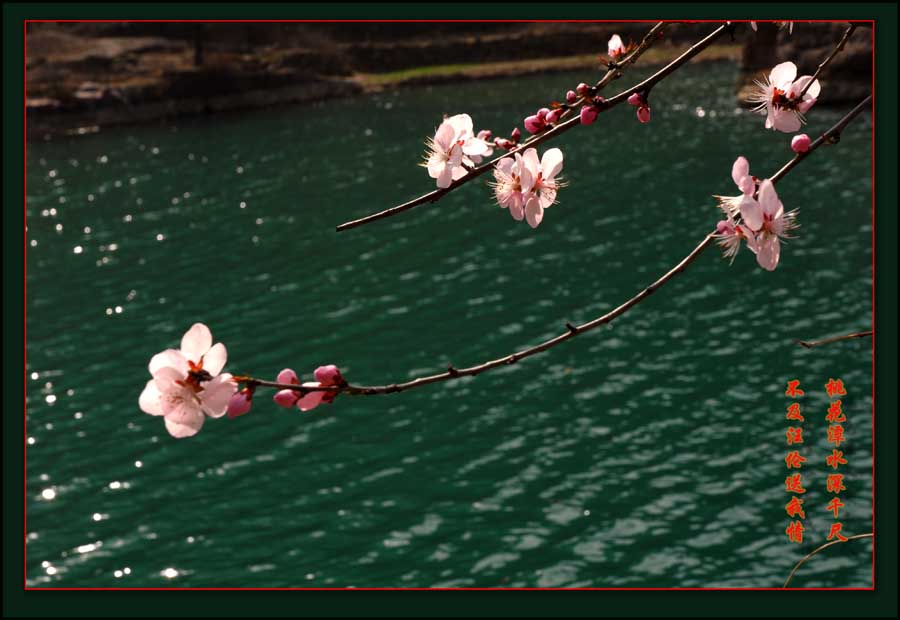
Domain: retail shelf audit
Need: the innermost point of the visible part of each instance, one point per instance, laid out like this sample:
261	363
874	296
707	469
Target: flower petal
445	177
196	341
166	380
180	406
170	358
739	170
474	146
534	212
768	252
547	196
462	124
187	428
768	199
787	121
310	400
149	400
436	164
215	358
551	163
444	137
526	177
516	207
216	394
782	75
801	83
751	213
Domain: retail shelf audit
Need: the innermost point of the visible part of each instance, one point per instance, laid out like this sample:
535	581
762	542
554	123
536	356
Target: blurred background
181	173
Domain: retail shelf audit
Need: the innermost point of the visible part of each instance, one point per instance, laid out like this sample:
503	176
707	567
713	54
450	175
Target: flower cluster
527	185
186	384
326	376
763	221
453	149
778	97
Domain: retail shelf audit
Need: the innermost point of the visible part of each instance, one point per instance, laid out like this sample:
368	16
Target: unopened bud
800	143
588	114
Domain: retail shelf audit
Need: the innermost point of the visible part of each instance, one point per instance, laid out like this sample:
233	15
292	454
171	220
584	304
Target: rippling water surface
647	453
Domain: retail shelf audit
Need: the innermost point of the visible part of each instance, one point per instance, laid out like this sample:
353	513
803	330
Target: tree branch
571	330
646	85
822	548
815	343
824	63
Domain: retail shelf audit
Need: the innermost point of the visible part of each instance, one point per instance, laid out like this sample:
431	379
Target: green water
647	453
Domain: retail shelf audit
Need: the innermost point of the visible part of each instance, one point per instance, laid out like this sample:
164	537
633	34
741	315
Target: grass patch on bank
589	62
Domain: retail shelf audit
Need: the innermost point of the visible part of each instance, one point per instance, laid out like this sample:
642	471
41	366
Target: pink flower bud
636	99
588	114
484	134
804	106
503	143
553	117
515	135
287	376
800	143
571	97
534	124
542	113
240	403
329	375
582	89
285	398
723	227
643	114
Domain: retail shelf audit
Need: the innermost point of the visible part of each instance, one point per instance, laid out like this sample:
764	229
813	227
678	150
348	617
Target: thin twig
832	135
571	330
822	548
824	63
815	343
645	86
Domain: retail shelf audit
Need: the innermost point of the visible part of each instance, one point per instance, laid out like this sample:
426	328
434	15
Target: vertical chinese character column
794	482
835	481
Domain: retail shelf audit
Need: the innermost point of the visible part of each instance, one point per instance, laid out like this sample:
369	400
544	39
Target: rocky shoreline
83	77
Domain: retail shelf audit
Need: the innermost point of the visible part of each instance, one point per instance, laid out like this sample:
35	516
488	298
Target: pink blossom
451	148
800	143
765	217
186	383
240	403
539	182
778	97
588	114
507	186
485	136
615	47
